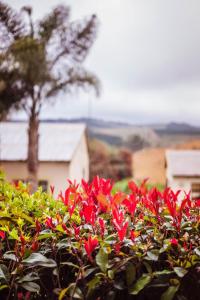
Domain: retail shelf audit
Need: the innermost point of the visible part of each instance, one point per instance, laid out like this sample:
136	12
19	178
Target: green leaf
174	281
119	285
29	277
197	251
37	259
76	219
102	260
164	248
92	283
180	271
3	286
164	272
169	293
140	284
10	256
4	273
148	267
56	272
194	259
111	274
188	264
152	255
68	263
130	274
31	287
75	292
45	236
14	234
27	218
7	219
62	293
185	225
188	228
110	239
63	244
159	285
59	228
89	271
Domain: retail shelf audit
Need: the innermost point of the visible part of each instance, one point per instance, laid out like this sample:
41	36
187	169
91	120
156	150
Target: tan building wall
79	166
150	163
55	173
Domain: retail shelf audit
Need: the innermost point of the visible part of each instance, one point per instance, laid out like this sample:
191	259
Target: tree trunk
33	144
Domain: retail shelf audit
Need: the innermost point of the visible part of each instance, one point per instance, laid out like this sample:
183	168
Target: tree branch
78	78
11	21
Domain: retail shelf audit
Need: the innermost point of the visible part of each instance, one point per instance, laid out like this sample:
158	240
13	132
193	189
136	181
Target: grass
122	185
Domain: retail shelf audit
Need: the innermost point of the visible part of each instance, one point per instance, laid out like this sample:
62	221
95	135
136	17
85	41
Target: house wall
55	173
179	183
182	183
150	163
79	166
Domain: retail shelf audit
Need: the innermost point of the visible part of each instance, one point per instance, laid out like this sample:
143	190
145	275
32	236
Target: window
43	184
196	190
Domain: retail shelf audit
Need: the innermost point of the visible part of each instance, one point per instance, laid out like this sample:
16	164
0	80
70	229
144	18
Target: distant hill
172	127
117	134
175	128
136	137
92	122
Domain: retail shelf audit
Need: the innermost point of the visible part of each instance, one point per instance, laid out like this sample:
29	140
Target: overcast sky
147	56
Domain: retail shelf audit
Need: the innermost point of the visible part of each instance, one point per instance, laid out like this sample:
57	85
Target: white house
63	153
183	170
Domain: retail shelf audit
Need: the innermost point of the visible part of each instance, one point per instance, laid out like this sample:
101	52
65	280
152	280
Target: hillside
136	137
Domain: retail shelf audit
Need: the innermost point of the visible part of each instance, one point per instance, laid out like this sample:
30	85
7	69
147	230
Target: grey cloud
141	43
147	56
151	43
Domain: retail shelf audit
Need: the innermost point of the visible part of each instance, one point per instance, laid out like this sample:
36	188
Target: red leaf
2	235
90	244
52	188
174	242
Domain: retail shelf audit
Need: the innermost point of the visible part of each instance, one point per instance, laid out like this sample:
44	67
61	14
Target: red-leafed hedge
88	243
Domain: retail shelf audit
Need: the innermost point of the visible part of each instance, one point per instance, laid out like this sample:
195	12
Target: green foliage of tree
40	59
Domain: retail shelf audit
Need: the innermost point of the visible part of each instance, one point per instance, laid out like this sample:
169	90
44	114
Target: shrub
88	243
109	161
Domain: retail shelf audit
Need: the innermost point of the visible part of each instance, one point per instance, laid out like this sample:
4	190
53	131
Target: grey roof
57	141
183	162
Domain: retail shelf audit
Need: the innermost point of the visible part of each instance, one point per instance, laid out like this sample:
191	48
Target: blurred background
143	119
